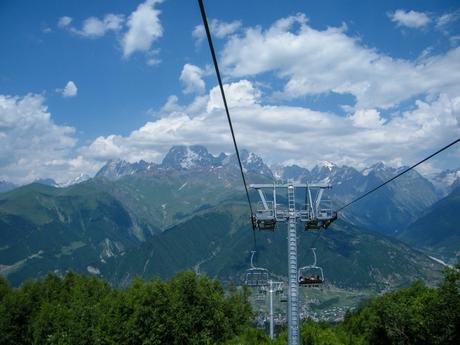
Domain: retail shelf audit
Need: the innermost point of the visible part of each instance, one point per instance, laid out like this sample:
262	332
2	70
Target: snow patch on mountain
446	181
79	179
328	165
190	159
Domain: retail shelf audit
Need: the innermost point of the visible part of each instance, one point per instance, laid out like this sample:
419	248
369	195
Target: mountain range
186	213
437	232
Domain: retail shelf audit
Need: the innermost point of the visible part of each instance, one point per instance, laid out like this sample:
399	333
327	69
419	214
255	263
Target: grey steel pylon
293	284
316	215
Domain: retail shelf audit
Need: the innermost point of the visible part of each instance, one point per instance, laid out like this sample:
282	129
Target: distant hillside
218	242
80	227
438	231
162	194
389	210
188	180
46	229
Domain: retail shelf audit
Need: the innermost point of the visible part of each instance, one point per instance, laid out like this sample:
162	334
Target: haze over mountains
113	225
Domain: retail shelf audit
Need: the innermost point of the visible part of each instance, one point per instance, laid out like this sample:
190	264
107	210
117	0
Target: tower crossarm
296	185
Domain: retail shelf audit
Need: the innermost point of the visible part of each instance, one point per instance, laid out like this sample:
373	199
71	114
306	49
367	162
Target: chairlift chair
318	213
312	224
311	275
256	276
265	216
325	224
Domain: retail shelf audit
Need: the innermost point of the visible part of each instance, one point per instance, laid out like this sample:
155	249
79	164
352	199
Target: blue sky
353	82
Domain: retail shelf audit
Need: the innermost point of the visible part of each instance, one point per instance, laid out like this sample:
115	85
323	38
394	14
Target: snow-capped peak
327	164
375	167
114	169
189	157
80	178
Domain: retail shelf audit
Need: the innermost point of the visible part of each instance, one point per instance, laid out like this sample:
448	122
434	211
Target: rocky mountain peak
251	162
446	181
116	168
379	166
183	157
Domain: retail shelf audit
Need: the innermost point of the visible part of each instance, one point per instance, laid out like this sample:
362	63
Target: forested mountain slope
218	242
438	231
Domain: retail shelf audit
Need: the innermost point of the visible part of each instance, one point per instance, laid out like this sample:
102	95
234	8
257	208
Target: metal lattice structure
315	215
273	287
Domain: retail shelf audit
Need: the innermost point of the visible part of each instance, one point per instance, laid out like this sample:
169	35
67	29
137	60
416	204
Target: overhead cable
216	66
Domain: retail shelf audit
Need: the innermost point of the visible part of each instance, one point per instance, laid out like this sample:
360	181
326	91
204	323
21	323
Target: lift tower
315	215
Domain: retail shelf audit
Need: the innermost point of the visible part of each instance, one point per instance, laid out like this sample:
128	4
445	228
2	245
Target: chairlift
311	275
312	225
329	221
318	213
265	216
256	276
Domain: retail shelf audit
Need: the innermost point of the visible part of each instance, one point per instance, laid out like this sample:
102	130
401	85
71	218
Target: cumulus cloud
240	94
191	78
410	19
282	133
136	34
312	62
219	29
144	27
70	90
31	144
64	21
367	118
94	27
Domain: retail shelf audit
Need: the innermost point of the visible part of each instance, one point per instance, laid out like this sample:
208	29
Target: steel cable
216	66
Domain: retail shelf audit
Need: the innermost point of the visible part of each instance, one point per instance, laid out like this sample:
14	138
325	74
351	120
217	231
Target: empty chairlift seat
256	276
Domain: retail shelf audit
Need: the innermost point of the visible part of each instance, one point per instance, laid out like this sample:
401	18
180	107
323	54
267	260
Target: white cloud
31	144
240	94
410	19
447	19
367	118
64	21
286	132
70	90
144	27
94	27
219	29
312	62
191	78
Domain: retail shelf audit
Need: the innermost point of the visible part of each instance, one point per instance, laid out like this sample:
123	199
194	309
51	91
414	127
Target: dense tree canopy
82	310
190	309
